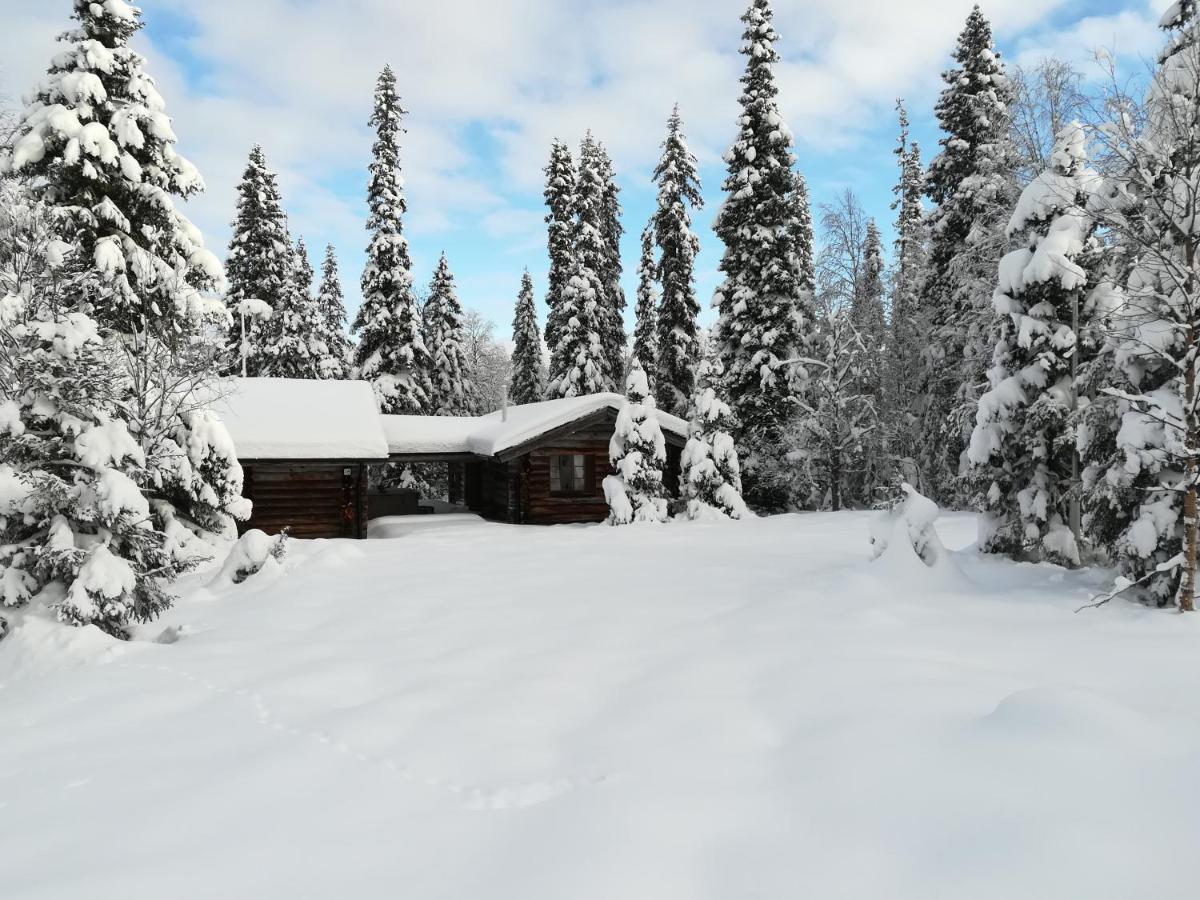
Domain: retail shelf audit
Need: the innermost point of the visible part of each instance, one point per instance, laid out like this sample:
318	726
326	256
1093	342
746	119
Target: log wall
310	500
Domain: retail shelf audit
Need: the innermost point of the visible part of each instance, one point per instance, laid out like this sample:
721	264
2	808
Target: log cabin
305	448
539	464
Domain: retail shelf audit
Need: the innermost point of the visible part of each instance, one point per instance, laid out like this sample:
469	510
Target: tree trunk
835	480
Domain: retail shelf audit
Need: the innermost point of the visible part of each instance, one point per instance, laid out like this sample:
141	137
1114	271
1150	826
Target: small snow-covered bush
711	475
254	551
638	452
910	519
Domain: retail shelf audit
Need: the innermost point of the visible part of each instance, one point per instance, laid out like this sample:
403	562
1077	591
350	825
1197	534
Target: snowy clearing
740	710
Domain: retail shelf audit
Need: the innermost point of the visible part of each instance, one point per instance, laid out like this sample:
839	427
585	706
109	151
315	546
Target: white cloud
490	83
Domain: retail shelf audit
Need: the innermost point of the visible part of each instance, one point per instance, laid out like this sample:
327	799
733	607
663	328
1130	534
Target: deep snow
699	710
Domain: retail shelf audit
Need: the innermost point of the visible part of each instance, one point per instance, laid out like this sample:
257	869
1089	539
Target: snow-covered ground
685	712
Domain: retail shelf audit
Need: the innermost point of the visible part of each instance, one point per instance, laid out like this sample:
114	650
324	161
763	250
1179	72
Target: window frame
579	469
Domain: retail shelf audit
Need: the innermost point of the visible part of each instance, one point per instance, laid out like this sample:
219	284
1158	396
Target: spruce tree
614	294
290	345
96	144
678	351
452	394
765	311
867	309
560	222
528	373
390	352
800	229
638	453
908	334
645	330
1023	445
580	361
257	265
710	478
972	184
333	346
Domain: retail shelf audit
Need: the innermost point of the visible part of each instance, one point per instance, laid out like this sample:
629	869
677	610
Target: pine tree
560	221
614	295
257	265
333	346
528	374
290	340
765	311
711	478
972	184
453	394
638	452
907	323
97	144
678	353
390	352
1023	445
645	331
580	361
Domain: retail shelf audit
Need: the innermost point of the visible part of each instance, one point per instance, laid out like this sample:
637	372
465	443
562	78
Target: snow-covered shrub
109	464
253	551
710	479
638	452
910	520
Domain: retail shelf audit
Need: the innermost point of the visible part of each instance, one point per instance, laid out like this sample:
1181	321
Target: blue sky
488	83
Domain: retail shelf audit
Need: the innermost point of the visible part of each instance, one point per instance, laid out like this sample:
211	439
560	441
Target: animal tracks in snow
472	797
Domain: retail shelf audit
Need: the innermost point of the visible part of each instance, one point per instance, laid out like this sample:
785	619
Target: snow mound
255	551
1068	714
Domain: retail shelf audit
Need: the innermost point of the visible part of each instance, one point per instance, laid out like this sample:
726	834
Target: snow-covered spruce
82	528
390	353
800	231
907	334
291	338
1143	465
528	383
452	393
95	142
258	265
1023	445
645	329
333	347
638	451
678	352
613	320
764	309
560	239
711	478
837	417
972	183
580	362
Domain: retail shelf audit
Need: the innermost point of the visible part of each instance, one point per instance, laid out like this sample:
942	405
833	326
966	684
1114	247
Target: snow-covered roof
292	418
496	432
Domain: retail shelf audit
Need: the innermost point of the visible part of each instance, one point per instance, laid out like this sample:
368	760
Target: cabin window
568	474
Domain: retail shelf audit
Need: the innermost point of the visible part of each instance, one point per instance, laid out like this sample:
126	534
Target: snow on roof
292	418
496	432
